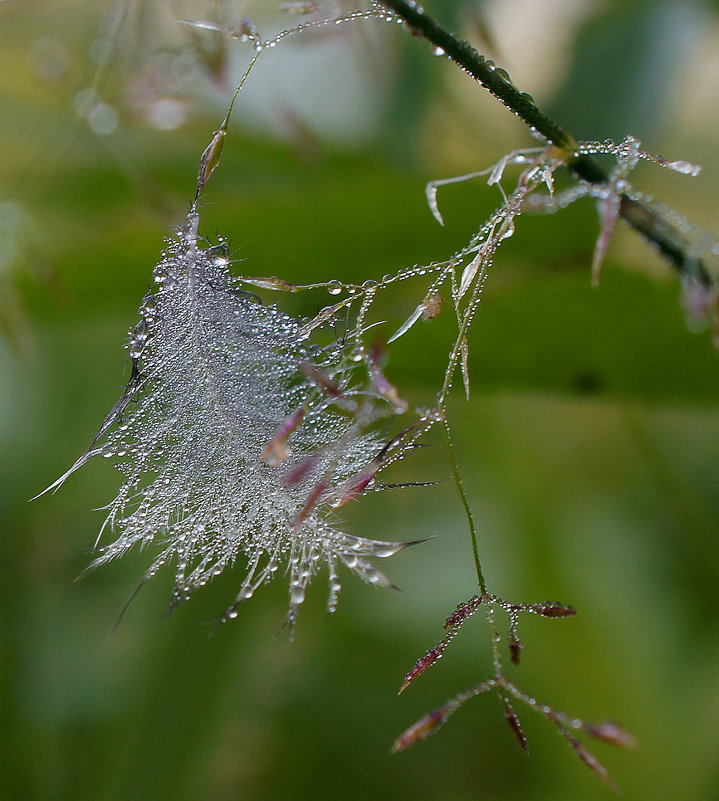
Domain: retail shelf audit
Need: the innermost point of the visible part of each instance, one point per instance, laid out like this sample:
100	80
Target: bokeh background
590	447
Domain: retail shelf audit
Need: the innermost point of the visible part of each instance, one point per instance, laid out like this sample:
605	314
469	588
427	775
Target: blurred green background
590	447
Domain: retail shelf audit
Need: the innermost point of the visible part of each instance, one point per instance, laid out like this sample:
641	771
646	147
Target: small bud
357	484
421	665
322	316
300	472
470	271
610	732
591	762
312	501
245	30
514	724
550	609
271	283
462	612
319	379
422	728
683	167
210	158
299	7
200	24
426	661
464	352
608	209
276	450
383	386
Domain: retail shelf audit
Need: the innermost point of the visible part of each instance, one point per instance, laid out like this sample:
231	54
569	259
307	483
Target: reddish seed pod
591	762
610	732
357	485
300	472
462	612
515	650
553	610
421	729
320	380
421	665
312	501
276	450
513	720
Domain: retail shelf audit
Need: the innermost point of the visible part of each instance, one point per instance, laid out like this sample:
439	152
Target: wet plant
242	430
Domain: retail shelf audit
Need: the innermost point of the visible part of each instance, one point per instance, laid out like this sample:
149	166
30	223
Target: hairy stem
660	232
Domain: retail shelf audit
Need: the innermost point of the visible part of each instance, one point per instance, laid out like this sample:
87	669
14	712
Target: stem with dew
659	231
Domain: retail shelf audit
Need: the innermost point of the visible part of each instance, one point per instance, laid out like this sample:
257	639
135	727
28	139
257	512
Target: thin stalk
465	503
654	227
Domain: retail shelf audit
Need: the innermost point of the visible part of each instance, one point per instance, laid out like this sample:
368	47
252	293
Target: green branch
659	231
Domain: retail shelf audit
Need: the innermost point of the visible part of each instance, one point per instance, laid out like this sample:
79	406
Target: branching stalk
654	227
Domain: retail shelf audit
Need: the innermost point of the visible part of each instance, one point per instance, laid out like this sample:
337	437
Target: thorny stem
656	229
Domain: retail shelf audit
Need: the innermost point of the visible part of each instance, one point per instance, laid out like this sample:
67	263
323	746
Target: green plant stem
659	231
465	503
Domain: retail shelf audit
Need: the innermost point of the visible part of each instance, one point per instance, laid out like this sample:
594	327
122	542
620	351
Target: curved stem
659	231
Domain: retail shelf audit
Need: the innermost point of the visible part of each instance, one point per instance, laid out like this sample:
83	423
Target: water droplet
136	348
102	119
438	51
334	287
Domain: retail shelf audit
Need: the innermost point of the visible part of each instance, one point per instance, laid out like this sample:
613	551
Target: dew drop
297	595
334	287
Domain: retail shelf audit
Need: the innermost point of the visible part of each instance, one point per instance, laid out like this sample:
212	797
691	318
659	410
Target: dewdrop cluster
236	438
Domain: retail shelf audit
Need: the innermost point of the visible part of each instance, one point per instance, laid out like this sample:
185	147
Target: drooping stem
656	228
